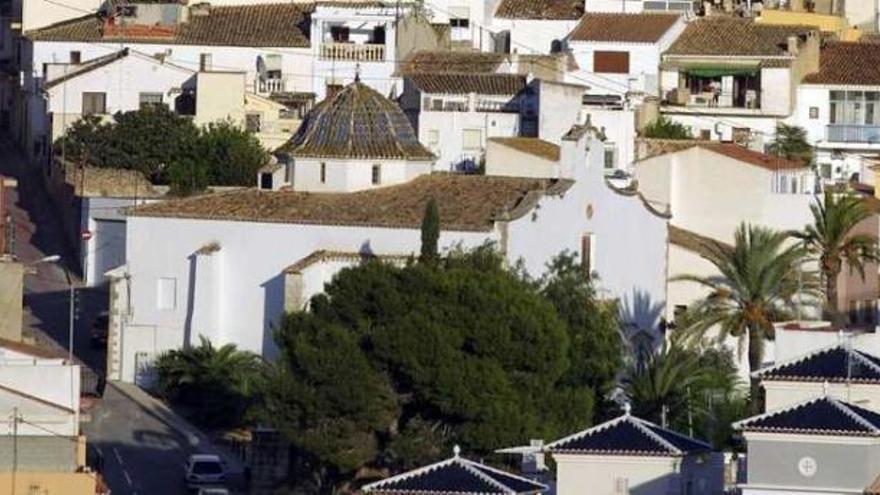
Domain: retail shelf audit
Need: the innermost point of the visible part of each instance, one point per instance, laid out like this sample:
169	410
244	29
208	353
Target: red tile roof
763	160
848	63
628	28
545	10
722	36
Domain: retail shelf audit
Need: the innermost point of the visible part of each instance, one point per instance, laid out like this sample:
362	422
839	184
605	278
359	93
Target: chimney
793	45
573	151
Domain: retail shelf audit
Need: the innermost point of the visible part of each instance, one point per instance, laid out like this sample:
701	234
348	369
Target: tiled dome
357	123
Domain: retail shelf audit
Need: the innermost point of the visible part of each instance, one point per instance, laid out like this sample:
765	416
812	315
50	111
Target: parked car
204	471
100	329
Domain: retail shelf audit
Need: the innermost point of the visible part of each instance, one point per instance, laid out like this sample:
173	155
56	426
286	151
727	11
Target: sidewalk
197	440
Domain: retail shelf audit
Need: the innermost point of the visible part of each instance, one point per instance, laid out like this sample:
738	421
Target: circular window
807	466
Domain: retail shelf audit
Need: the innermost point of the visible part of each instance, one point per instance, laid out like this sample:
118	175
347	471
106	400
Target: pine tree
430	233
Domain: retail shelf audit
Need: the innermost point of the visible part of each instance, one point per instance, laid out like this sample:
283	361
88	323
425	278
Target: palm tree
790	141
758	283
216	383
830	240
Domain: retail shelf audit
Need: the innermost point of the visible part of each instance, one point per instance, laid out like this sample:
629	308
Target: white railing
351	51
269	86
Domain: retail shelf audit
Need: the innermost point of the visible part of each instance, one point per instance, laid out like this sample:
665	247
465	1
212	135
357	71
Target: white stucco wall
505	161
620	129
106	248
40	13
642	475
781	394
450	128
644	62
50	380
352	175
533	36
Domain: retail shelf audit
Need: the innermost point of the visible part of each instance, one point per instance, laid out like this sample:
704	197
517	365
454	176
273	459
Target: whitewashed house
620	53
822	445
210	265
630	455
119	82
533	26
840	370
351	38
268	41
839	106
355	140
733	79
455	113
639	6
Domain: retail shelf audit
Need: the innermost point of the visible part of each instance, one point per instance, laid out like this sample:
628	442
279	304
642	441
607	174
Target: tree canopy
663	128
167	148
391	365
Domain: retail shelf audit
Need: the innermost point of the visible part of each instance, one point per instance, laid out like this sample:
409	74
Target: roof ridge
467	464
768	414
846	409
642	425
409	474
589	431
505	473
863	357
795	360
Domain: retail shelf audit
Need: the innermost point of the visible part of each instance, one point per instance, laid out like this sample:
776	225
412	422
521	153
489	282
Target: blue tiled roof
835	364
628	435
456	475
823	416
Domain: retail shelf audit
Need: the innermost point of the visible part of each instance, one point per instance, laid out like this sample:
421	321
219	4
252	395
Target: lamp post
71	295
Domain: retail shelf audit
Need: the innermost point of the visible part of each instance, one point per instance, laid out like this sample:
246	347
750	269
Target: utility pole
14	446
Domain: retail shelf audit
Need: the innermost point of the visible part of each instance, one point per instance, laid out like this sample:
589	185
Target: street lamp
55	258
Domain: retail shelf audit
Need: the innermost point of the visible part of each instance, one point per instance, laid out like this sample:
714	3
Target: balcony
845	133
270	85
353	52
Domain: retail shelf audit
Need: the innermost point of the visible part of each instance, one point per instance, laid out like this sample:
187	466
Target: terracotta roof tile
485	84
465	202
263	25
730	36
531	146
430	61
848	64
630	28
756	158
357	123
548	10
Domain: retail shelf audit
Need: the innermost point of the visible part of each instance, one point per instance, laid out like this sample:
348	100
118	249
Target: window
854	108
621	486
266	181
471	139
166	293
339	34
149	99
75	57
377	174
706	134
588	252
253	122
459	23
814	113
610	158
611	62
94	103
323	173
205	61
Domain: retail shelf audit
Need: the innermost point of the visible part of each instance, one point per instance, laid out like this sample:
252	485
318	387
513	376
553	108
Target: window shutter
611	62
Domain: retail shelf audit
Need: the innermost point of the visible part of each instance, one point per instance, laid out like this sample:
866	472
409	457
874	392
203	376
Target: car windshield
207	467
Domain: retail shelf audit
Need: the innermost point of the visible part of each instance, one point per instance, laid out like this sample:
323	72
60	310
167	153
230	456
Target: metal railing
352	51
846	133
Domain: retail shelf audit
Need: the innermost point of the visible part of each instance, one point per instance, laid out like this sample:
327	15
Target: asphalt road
141	453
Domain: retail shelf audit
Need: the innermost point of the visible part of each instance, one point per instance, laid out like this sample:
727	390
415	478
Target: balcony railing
270	86
845	133
352	51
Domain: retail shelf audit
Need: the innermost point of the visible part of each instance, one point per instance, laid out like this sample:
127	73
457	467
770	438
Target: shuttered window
94	103
611	62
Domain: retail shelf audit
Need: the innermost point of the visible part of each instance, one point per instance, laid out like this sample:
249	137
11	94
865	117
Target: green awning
721	71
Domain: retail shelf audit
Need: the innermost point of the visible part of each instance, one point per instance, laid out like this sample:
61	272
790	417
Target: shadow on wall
273	311
641	315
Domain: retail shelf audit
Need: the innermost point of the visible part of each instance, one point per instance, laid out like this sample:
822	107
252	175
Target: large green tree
790	141
831	240
391	365
758	282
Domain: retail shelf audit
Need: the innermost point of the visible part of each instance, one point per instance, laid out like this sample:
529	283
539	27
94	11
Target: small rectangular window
94	103
609	158
205	61
588	253
149	99
75	57
166	293
266	181
459	23
323	173
377	174
814	113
